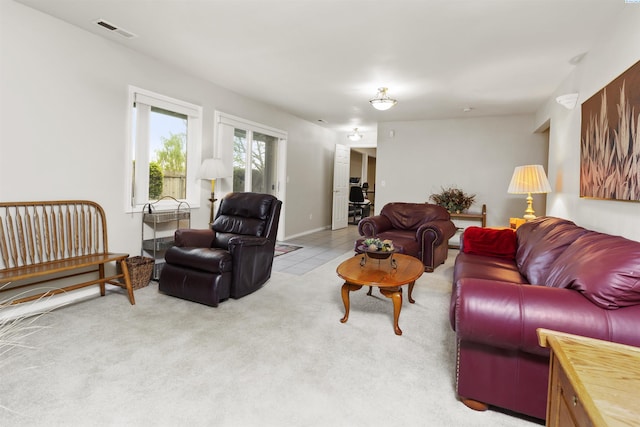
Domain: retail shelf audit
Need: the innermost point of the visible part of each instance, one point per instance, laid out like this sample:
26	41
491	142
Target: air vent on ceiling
109	26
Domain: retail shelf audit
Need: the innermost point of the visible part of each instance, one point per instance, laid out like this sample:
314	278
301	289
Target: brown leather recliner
232	259
421	230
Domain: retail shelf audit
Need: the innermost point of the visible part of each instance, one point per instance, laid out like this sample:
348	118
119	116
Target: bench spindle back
33	233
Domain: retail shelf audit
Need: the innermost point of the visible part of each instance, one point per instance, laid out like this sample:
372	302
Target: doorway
363	167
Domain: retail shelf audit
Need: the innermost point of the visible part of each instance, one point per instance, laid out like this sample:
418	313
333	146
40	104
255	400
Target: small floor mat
282	249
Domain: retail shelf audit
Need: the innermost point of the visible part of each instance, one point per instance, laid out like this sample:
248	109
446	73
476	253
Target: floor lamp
210	170
526	180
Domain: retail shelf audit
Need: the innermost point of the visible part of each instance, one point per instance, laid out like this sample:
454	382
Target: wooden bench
42	242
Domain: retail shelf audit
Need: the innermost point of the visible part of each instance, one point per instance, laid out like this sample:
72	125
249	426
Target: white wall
63	113
617	51
477	155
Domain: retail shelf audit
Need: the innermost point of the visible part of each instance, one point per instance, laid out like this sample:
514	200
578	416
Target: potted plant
453	199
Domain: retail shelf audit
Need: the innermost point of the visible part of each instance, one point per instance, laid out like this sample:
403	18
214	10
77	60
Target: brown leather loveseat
421	230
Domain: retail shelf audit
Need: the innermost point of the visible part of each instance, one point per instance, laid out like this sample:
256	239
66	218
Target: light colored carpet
278	357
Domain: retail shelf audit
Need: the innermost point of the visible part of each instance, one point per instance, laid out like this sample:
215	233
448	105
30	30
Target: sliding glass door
258	155
255	163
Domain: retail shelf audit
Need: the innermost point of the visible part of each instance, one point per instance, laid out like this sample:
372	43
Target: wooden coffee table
380	273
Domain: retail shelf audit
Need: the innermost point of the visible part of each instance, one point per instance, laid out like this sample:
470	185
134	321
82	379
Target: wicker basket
140	269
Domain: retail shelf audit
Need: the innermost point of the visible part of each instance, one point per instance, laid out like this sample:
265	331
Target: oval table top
379	272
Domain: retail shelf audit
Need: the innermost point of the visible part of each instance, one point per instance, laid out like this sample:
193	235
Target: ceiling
324	59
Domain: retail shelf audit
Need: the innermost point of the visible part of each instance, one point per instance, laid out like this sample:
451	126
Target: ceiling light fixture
568	101
355	136
382	101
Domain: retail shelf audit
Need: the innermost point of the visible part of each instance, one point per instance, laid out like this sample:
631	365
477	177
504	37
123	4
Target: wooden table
382	274
468	216
591	382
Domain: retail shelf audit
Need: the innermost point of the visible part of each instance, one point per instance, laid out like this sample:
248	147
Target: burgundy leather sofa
232	259
558	276
421	230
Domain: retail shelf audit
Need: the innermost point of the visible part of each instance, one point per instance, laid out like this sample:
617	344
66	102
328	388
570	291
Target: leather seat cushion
488	268
404	242
206	259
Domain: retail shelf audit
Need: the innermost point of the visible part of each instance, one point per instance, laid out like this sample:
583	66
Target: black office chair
358	205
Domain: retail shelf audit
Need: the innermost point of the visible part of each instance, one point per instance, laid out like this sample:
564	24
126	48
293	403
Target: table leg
396	296
411	285
346	288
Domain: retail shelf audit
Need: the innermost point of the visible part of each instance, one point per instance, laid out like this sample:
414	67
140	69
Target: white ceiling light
568	101
382	101
355	136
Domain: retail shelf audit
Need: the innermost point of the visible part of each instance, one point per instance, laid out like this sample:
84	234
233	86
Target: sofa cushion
212	260
487	268
409	216
490	242
604	268
404	242
540	242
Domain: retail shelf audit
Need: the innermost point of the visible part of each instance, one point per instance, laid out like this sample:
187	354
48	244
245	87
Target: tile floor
317	249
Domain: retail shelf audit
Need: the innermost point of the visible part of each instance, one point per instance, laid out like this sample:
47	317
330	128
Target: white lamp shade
568	101
212	169
383	104
529	179
382	101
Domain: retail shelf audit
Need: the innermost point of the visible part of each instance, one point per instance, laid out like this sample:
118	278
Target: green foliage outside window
155	181
172	156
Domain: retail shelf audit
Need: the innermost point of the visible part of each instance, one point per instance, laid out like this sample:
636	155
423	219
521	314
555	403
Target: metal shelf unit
158	230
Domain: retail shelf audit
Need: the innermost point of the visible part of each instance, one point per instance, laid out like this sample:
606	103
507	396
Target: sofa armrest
506	315
441	230
186	237
372	226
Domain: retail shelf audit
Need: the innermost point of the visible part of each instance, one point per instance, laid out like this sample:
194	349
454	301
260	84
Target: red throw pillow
489	241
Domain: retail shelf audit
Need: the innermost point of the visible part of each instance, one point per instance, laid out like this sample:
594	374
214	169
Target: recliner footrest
211	260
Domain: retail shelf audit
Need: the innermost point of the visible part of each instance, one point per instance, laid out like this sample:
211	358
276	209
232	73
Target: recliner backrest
409	216
246	214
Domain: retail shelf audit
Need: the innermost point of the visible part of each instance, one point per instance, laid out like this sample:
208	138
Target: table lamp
212	169
526	180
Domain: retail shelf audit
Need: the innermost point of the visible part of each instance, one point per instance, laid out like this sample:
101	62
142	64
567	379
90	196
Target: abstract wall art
610	140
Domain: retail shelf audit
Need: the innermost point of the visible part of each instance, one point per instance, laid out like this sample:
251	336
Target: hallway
317	249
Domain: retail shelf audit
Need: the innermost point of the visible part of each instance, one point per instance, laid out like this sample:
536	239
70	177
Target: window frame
224	125
193	149
252	127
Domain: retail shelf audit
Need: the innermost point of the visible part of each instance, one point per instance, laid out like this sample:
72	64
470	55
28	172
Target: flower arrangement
375	244
453	199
